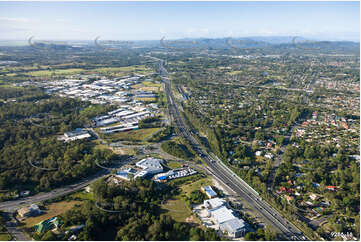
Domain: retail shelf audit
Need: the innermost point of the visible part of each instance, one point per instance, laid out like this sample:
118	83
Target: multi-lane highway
215	166
224	174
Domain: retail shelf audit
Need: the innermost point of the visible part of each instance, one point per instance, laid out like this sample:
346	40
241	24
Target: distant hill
278	42
275	39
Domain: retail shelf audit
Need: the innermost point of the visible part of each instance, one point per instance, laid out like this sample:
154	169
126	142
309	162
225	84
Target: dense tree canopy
139	216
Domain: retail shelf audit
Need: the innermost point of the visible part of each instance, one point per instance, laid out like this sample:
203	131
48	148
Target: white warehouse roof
233	225
150	164
222	214
226	220
214	203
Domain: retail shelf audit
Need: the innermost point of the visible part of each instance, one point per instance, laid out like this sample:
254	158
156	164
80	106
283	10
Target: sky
174	20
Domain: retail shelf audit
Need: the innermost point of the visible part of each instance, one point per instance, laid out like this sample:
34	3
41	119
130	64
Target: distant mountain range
242	42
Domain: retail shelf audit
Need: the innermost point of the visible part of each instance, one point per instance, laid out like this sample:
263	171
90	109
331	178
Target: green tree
250	236
49	236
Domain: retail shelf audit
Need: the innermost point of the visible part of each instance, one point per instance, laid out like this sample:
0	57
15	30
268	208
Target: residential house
32	210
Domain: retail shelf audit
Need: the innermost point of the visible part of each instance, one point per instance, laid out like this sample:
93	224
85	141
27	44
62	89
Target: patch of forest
31	157
139	215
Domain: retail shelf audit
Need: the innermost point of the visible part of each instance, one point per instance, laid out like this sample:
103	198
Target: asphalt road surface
219	170
214	164
11	206
16	232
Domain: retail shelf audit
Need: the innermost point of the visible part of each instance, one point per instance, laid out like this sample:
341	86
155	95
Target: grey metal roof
234	225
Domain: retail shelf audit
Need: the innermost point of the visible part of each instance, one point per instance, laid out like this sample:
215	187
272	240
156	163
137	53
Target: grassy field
147	99
235	72
83	196
177	209
5	237
10	86
151	84
124	151
148	86
141	69
24	68
133	135
137	86
188	188
116	150
174	164
71	71
100	146
53	209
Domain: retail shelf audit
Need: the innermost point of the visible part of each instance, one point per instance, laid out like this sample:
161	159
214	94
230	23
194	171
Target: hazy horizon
177	20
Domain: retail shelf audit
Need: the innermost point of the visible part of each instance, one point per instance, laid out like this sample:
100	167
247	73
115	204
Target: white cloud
14	20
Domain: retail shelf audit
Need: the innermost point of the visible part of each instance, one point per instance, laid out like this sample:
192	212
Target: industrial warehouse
216	214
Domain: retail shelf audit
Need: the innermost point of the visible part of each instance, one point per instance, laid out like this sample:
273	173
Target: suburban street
224	174
215	167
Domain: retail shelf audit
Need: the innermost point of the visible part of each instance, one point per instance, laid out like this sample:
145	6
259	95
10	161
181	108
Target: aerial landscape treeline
135	216
28	145
283	117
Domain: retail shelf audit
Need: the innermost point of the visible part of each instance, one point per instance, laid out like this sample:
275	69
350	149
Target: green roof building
48	224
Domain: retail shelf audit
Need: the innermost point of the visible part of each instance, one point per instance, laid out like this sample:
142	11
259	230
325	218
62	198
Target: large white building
214	203
225	218
151	165
128	119
234	227
75	135
107	121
